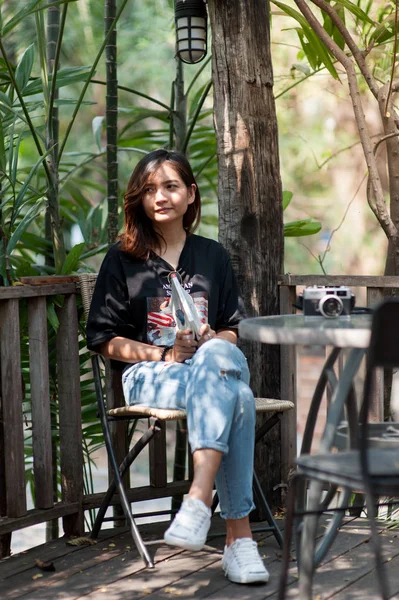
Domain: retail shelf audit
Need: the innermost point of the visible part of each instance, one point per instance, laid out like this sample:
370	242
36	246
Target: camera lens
331	306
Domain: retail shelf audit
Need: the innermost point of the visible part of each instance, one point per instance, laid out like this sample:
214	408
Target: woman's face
166	197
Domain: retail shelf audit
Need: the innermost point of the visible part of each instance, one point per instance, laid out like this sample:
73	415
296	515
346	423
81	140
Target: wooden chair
156	421
371	467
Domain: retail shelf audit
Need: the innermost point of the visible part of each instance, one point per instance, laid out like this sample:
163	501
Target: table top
343	332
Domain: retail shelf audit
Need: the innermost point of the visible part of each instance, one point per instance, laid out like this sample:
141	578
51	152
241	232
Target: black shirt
131	296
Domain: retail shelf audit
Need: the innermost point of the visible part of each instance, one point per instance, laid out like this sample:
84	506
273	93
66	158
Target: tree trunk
53	220
112	123
389	120
250	194
5	539
179	115
53	226
179	129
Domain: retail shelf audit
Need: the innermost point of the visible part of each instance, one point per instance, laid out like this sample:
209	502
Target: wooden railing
13	504
13	500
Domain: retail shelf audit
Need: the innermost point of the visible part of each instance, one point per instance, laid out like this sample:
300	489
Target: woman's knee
246	403
239	402
223	355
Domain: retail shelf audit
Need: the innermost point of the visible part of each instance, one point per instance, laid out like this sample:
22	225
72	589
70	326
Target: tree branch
380	208
395	47
356	52
385	137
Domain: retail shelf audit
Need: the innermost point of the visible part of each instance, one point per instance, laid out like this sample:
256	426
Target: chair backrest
383	350
384	342
87	283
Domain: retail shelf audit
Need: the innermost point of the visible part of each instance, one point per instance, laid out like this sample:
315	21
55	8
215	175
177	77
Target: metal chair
372	468
156	420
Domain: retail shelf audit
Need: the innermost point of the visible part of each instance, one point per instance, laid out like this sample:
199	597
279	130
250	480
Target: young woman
131	321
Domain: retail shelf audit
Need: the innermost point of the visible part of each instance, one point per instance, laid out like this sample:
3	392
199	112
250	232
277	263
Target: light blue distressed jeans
213	389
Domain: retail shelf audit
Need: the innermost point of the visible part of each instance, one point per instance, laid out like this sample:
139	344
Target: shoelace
187	513
247	553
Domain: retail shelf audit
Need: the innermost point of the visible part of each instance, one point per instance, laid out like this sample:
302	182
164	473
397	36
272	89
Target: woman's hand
184	347
206	334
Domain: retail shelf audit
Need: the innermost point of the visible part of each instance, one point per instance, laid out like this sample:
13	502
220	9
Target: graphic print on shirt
161	324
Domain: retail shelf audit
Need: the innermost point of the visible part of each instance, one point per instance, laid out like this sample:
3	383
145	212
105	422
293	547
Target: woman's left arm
228	334
225	333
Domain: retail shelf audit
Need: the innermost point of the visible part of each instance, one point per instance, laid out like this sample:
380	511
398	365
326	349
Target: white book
184	309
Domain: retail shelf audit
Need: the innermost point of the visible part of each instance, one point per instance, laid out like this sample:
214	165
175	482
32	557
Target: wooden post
5	539
40	398
157	457
68	375
374	297
288	391
11	394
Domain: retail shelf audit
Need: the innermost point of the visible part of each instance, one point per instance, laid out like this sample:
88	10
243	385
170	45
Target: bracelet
164	352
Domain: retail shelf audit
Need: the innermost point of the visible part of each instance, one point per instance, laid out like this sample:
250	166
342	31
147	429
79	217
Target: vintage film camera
326	301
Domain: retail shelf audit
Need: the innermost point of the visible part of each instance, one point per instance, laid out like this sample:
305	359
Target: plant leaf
97	126
27	181
5	99
72	259
301	228
287	197
3	157
385	30
3	272
65	77
355	10
30	6
317	47
52	315
94	251
24	68
24	223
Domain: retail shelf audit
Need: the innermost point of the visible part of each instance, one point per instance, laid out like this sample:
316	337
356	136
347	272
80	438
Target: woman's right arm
130	351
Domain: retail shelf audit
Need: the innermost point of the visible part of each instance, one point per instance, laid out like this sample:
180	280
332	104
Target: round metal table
343	332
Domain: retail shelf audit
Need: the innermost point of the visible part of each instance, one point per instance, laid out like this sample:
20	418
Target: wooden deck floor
111	569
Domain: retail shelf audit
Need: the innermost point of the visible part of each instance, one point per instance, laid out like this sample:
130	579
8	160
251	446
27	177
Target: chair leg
267	426
123	467
375	538
269	516
308	542
141	547
215	502
289	522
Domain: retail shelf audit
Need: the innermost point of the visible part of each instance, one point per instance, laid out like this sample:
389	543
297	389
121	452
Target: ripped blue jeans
213	389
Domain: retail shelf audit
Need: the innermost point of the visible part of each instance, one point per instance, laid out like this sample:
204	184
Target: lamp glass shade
191	32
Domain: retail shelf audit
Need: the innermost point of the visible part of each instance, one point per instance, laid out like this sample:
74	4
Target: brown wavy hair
139	237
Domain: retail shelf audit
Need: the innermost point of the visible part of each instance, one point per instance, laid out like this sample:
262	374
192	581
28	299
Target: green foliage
314	50
370	24
72	259
301	228
37	169
28	170
317	132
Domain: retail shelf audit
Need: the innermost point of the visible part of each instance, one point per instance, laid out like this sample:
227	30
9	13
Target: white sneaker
190	526
242	563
